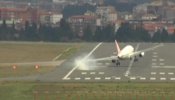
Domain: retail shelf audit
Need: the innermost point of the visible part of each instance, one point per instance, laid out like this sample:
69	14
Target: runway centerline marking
70	72
131	62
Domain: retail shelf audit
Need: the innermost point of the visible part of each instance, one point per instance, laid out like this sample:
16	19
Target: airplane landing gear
135	59
117	63
113	61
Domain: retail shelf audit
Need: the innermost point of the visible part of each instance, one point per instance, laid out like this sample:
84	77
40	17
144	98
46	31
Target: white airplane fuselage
125	52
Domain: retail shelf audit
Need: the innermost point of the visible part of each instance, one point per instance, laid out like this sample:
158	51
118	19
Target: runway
156	66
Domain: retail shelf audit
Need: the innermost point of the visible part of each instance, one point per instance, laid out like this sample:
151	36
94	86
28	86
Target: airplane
126	53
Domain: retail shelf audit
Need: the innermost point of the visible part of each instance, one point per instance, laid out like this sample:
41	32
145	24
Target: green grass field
29	52
32	52
87	91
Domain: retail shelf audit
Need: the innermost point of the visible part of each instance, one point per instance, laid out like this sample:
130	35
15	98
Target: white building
51	18
107	14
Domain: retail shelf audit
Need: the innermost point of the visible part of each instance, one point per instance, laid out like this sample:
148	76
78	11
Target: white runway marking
77	78
131	62
83	73
70	72
57	57
54	59
97	78
92	73
87	78
152	78
117	78
101	73
107	78
67	49
163	66
153	73
172	79
161	59
132	78
142	78
162	73
163	78
67	79
170	73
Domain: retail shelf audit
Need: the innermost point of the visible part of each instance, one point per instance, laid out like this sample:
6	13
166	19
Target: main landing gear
116	62
135	59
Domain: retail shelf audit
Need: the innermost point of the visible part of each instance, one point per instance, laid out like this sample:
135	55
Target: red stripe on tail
117	46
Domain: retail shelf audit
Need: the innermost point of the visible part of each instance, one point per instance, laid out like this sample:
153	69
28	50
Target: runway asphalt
157	65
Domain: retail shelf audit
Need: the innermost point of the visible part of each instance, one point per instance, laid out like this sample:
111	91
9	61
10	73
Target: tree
97	35
124	33
30	31
157	36
65	32
3	30
104	33
127	33
165	36
88	35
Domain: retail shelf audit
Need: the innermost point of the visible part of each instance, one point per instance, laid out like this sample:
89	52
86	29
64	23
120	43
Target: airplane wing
136	53
104	59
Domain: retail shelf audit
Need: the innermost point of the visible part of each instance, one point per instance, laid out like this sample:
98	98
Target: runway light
36	66
14	67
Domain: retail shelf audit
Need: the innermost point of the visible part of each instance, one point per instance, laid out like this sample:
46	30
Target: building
106	15
153	27
80	22
162	9
50	18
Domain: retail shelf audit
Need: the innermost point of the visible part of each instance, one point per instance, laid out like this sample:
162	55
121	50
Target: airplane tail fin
117	46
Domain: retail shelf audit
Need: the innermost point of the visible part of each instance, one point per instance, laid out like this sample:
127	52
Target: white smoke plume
84	63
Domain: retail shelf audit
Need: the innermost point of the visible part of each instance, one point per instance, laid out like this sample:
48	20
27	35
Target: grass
32	52
28	52
87	91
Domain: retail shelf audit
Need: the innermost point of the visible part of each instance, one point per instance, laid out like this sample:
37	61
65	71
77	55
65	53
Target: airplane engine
141	54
